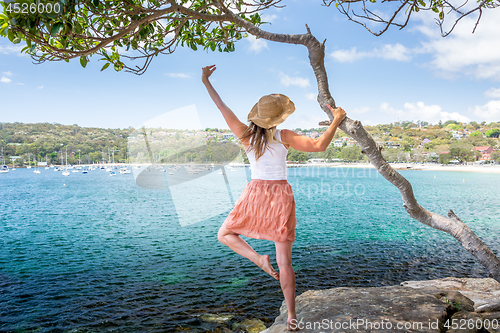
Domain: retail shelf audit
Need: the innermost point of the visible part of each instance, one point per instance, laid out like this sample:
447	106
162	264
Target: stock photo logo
203	171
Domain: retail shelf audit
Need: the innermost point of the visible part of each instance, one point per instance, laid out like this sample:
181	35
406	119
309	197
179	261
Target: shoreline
409	166
396	166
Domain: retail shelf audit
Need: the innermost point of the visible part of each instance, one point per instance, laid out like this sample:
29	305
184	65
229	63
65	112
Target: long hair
260	138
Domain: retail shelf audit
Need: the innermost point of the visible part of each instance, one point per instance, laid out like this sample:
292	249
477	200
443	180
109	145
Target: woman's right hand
338	113
207	71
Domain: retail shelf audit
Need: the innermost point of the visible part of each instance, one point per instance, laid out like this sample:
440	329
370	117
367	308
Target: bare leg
287	279
238	245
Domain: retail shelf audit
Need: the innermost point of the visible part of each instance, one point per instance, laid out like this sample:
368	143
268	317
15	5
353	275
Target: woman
266	208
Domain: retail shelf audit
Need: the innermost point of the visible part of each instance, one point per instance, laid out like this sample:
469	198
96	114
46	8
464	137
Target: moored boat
124	170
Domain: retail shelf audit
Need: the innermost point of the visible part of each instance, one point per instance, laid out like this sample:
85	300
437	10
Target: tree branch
399	19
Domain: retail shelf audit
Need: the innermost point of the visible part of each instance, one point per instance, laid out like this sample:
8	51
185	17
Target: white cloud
492	93
311	96
7	73
5	79
256	45
348	55
396	52
269	18
359	111
488	112
179	75
463	52
294	81
10	49
41	87
420	111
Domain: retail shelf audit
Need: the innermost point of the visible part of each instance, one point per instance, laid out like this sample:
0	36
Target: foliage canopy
66	29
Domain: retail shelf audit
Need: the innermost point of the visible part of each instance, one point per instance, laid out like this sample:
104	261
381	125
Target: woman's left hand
207	71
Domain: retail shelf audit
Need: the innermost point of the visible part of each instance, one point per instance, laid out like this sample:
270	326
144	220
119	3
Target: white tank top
272	164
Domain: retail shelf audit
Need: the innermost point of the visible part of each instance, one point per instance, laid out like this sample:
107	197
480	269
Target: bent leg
287	278
238	245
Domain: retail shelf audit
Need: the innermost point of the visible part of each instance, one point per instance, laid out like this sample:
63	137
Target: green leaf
3	28
56	28
83	61
106	65
17	40
11	35
441	16
78	27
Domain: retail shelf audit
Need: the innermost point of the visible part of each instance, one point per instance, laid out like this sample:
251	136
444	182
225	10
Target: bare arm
304	143
236	126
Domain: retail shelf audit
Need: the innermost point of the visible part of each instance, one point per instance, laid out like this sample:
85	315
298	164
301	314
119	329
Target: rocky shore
445	305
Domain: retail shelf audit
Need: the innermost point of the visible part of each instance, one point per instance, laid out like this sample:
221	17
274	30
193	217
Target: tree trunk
451	224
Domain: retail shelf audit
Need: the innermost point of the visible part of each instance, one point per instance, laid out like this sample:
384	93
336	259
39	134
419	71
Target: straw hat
271	110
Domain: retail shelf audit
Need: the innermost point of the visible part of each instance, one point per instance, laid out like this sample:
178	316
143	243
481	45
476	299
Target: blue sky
412	74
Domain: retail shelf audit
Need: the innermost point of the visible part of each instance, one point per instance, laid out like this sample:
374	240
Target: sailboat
29	162
3	168
36	168
66	172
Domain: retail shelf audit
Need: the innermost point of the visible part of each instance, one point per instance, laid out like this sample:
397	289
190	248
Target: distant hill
403	141
49	141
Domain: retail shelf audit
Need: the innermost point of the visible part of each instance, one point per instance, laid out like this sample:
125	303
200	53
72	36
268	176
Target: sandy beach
487	168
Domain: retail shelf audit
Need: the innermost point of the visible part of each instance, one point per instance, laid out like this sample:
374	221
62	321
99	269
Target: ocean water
93	253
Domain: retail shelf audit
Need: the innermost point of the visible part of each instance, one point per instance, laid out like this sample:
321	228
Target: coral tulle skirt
265	210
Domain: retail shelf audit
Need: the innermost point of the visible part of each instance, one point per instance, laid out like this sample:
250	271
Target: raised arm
236	126
304	143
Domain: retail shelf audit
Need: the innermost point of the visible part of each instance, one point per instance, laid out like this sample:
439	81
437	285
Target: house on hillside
485	152
227	136
316	160
460	134
351	143
338	143
391	144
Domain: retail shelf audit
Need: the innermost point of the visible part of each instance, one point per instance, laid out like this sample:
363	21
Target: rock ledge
444	305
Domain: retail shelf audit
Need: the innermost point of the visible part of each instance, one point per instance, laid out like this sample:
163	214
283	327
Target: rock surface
444	305
485	293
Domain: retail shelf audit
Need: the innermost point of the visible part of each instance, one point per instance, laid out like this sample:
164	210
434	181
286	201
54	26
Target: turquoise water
93	253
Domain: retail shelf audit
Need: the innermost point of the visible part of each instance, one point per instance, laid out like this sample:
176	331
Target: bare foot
265	264
292	324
